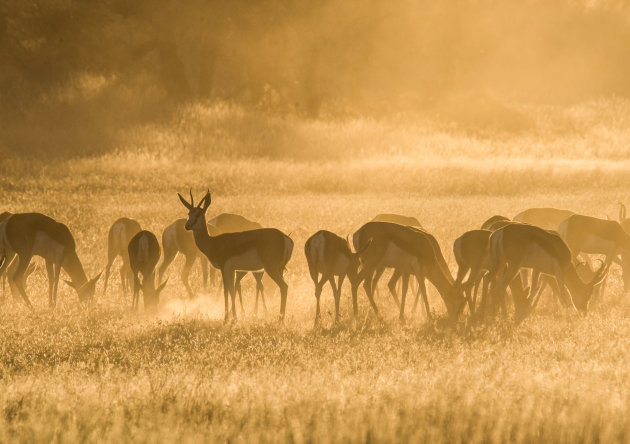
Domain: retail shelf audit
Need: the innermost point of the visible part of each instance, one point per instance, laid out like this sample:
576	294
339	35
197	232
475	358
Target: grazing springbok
234	223
584	271
472	254
176	239
144	254
120	233
409	221
590	235
413	252
34	234
547	218
497	219
517	246
265	249
330	255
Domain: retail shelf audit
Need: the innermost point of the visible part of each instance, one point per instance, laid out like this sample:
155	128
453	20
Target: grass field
107	374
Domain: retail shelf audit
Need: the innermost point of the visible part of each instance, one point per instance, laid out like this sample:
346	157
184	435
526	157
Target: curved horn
192	201
185	202
601	273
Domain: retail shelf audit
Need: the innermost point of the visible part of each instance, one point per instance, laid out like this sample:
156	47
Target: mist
75	73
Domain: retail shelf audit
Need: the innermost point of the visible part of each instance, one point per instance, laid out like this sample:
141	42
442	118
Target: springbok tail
288	250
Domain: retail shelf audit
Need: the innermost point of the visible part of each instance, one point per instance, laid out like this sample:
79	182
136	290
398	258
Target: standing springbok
33	234
176	239
590	235
120	233
330	255
144	254
517	246
265	249
414	252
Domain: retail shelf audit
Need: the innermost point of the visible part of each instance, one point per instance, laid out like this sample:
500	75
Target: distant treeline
78	69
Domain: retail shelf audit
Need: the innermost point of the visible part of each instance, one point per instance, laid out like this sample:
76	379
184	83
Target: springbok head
196	214
152	294
87	290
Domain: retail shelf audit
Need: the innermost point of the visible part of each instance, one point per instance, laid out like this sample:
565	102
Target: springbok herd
538	247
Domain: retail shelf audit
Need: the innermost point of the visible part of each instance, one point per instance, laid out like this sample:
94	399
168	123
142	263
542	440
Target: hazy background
77	76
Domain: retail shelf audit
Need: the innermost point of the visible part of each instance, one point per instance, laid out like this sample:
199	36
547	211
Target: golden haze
304	118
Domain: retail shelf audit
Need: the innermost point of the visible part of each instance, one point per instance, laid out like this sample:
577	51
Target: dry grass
106	374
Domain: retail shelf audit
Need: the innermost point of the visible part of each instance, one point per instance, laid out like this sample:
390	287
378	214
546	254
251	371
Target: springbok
144	254
120	233
233	223
547	218
472	254
34	234
517	246
409	221
176	239
413	252
330	255
265	249
590	235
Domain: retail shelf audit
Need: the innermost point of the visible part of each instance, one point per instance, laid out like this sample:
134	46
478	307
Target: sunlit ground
106	373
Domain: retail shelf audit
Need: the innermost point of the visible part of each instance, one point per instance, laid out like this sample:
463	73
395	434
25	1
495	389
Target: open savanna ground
104	373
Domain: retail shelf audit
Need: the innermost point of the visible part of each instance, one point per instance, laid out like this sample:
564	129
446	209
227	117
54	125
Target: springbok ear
72	284
186	204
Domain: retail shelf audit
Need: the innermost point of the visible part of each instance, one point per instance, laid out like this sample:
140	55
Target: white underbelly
537	258
597	245
248	261
398	258
47	247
